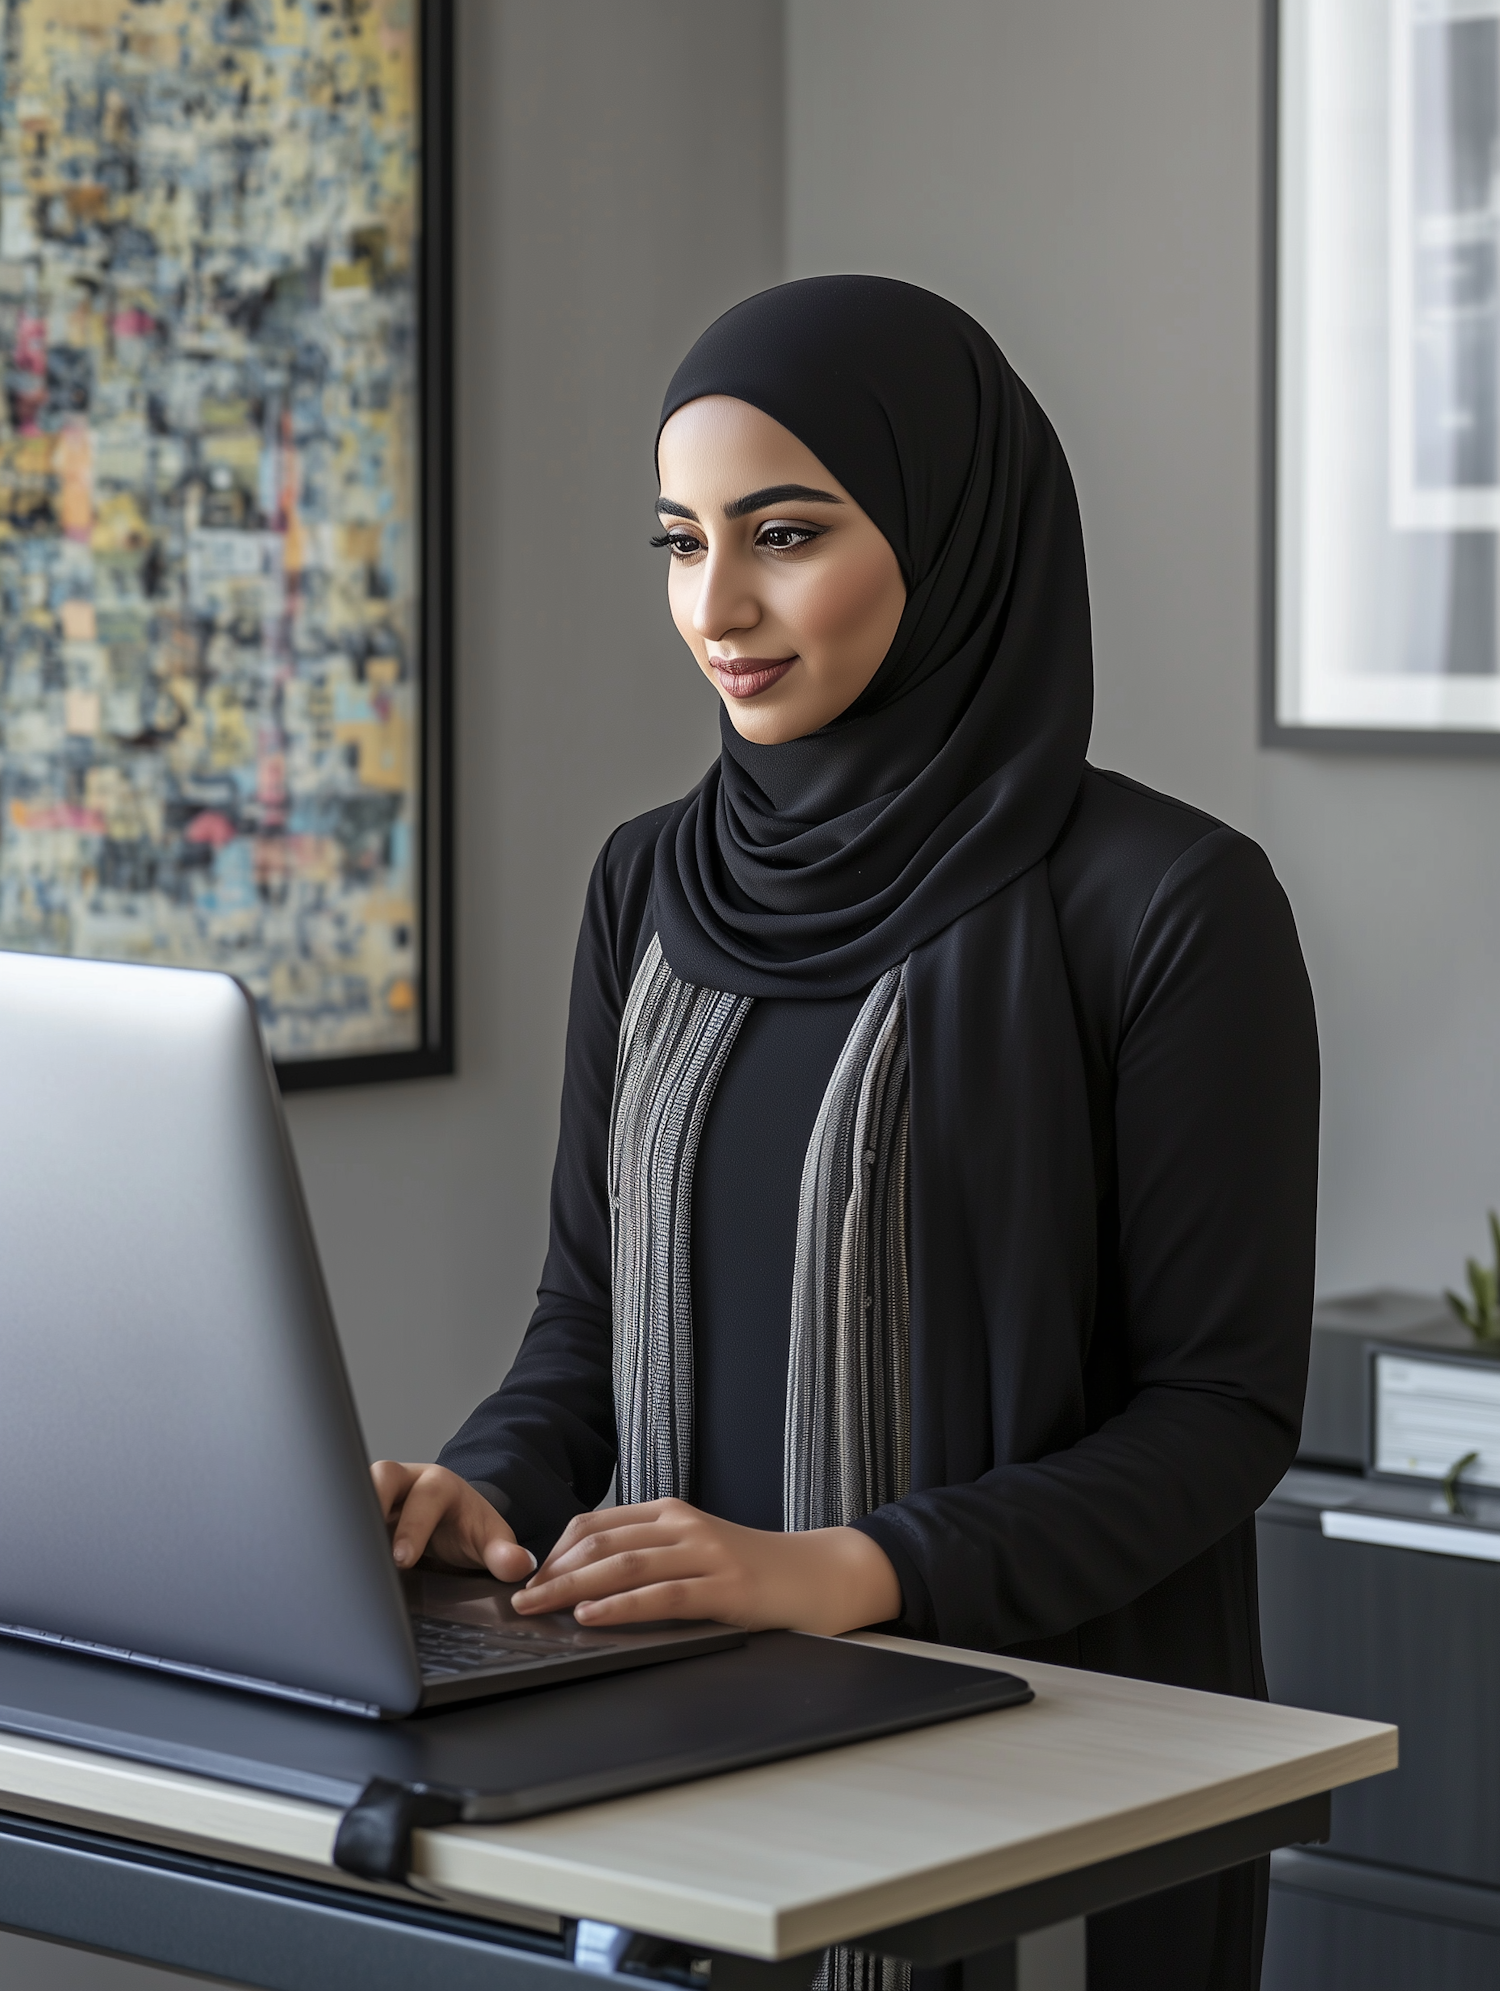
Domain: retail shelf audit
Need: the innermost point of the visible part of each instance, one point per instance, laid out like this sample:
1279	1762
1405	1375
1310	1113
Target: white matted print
1387	600
1445	264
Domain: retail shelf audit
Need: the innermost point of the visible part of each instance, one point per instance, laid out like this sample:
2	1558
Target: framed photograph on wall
224	466
1383	274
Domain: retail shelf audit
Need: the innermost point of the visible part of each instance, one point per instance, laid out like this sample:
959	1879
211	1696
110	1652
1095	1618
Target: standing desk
937	1846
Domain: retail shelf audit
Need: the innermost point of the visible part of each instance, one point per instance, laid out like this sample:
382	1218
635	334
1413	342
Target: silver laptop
183	1484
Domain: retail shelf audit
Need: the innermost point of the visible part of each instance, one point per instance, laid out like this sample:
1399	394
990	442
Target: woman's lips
743	677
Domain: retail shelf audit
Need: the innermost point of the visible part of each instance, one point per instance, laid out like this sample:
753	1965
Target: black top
1122	1536
745	1193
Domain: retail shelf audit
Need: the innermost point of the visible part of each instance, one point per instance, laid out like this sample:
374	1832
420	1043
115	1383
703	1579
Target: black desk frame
184	1912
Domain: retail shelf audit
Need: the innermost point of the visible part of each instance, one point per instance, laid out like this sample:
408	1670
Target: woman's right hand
431	1511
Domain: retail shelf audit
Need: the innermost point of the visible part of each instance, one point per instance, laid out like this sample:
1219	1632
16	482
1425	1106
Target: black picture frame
156	717
435	1056
1274	733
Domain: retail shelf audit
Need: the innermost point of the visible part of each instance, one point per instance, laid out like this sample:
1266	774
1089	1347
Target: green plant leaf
1482	1286
1460	1306
1452	1477
1479	1309
1480	1313
1488	1307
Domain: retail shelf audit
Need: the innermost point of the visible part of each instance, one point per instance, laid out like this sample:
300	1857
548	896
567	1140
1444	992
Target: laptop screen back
181	1468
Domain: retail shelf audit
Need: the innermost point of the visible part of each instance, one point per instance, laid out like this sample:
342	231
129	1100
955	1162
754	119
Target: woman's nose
724	601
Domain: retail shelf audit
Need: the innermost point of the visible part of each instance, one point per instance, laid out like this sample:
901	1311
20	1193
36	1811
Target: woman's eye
782	538
681	545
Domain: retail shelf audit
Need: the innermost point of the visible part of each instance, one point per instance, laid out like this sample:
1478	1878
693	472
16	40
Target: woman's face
786	593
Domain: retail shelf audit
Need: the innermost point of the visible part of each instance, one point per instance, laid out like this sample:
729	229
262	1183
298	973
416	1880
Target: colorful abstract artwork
210	638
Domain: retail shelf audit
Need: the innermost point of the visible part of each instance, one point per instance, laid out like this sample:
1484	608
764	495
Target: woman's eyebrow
674	510
778	494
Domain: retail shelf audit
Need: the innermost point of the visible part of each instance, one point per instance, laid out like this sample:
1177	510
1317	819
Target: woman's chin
776	715
765	728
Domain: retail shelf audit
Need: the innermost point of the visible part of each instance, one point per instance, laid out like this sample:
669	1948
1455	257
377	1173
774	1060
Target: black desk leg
991	1970
970	1931
988	1970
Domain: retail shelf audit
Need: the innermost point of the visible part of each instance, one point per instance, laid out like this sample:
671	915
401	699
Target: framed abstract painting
224	468
1383	267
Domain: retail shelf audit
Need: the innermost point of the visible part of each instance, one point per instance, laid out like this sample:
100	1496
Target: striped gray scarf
848	1425
848	1405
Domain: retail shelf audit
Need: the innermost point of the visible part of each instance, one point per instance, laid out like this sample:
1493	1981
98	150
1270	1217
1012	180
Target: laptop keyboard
447	1649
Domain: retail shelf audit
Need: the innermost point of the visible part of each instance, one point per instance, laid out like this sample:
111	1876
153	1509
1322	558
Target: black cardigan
1131	1550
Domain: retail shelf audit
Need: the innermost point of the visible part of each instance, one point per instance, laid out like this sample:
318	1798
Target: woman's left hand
665	1559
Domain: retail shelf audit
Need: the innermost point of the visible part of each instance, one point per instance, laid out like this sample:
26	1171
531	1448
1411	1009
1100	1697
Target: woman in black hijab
932	1224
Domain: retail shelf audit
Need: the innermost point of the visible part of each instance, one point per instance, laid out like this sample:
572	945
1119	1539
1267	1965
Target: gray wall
1083	176
603	219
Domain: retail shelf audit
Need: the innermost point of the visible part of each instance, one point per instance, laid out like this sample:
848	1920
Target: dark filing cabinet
1406	1894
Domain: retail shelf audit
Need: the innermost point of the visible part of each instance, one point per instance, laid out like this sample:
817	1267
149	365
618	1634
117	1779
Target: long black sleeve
1197	1365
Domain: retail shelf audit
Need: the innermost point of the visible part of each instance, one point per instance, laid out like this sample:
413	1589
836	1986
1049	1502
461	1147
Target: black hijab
810	868
916	828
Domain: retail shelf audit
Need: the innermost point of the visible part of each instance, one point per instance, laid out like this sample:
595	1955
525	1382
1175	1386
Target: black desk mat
778	1695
